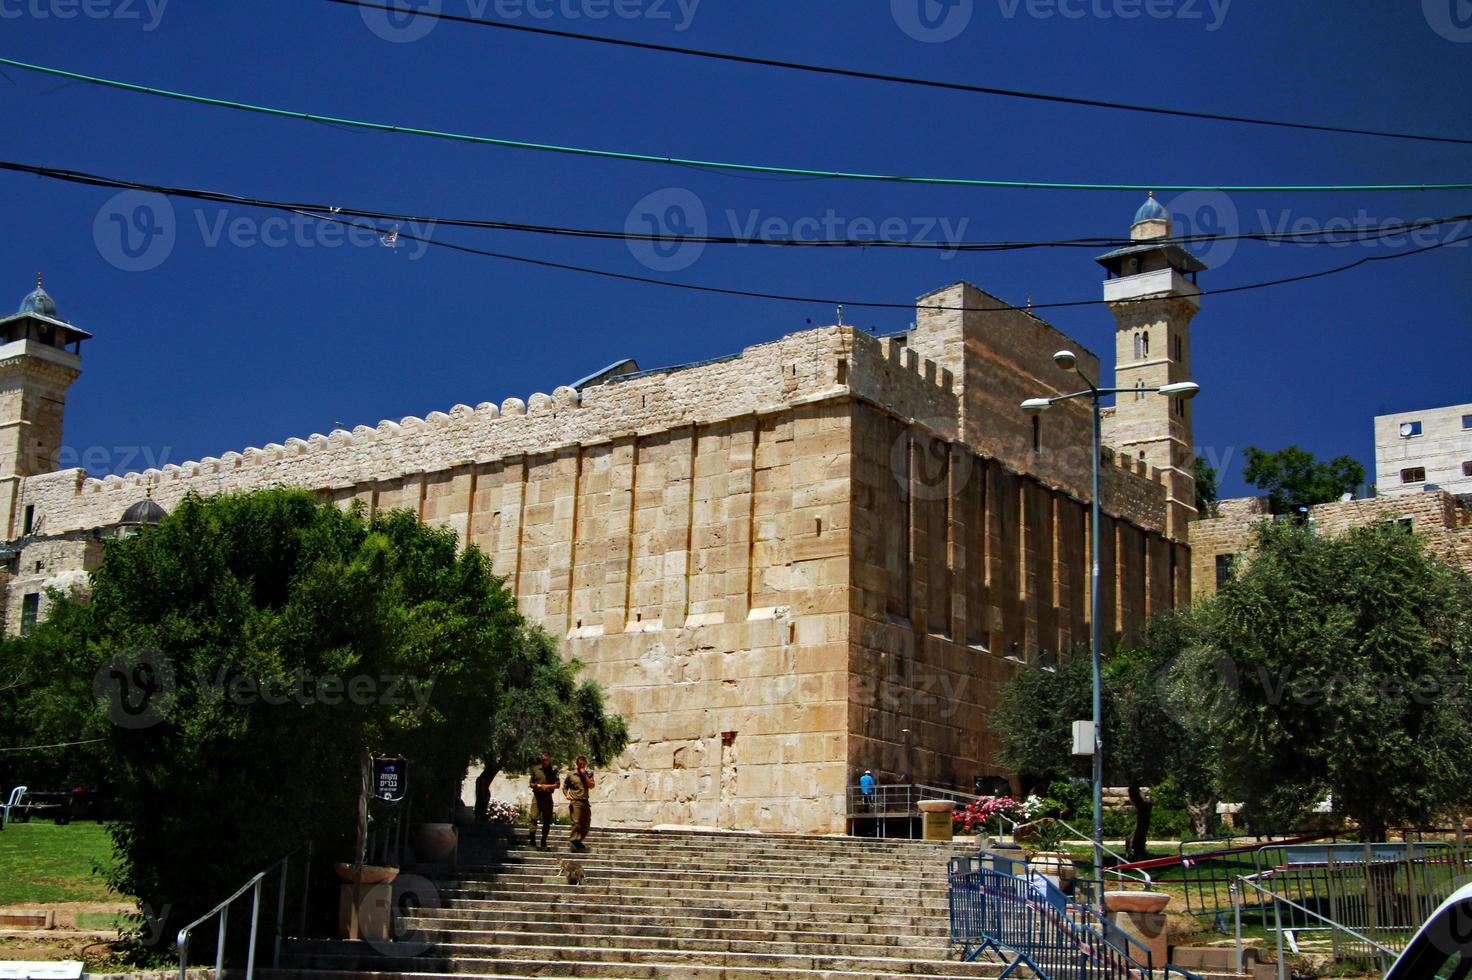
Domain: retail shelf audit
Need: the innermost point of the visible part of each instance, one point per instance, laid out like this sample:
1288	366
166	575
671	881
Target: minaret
40	356
1151	290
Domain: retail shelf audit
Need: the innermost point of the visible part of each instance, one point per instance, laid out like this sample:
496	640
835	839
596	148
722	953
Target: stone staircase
690	905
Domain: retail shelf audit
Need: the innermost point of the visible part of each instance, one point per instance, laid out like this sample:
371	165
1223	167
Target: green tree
1144	739
1208	486
239	658
1294	478
1348	658
546	710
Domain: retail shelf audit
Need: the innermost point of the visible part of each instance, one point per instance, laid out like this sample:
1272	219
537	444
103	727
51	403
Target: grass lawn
41	862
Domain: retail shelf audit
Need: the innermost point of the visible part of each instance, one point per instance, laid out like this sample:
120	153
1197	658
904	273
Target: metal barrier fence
1347	943
1344	891
1206	869
1030	921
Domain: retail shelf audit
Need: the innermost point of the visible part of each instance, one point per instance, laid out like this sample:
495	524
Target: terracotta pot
435	843
1059	864
372	874
1136	901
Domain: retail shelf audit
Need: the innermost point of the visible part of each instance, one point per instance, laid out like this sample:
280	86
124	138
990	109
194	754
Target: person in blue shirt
866	786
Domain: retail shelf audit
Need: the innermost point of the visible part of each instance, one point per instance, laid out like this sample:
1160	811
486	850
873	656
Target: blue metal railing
1030	921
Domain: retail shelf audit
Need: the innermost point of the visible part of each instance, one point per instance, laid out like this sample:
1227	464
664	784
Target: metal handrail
1387	955
253	885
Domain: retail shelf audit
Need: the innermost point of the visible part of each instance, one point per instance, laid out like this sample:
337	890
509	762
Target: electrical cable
901	79
712	164
395	233
880	305
57	745
1355	233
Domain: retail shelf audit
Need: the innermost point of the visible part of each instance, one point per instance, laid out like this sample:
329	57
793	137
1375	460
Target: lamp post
1068	361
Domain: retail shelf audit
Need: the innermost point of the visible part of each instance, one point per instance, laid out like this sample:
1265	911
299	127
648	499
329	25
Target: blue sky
242	333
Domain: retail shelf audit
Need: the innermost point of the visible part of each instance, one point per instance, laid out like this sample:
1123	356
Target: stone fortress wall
820	555
1443	520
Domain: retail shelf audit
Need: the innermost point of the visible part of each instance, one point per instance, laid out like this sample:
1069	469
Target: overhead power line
708	164
337	216
1350	235
903	79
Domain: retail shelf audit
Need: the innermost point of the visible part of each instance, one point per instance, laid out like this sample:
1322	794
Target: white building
1416	451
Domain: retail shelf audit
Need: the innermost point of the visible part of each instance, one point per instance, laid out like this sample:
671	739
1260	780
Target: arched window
1145	344
1138	349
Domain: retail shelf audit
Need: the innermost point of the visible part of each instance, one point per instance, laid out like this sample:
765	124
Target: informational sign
390	779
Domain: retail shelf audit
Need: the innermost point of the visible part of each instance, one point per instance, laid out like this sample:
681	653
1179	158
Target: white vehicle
1442	947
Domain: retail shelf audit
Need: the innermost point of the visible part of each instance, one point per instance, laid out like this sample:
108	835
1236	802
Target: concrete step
485	942
523	856
430	929
628	972
609	961
678	895
709	917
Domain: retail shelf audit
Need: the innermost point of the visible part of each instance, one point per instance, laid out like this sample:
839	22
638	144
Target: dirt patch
66	942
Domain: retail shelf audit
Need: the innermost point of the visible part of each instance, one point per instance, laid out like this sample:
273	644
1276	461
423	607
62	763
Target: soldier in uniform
544	784
575	787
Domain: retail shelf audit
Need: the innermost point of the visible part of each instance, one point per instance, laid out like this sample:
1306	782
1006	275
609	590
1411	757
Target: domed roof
144	511
39	302
1151	210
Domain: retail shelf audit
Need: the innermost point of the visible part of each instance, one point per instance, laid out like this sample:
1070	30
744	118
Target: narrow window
1225	565
30	605
1037	435
1413	474
1181	407
29	520
1138	349
1180	349
1145	343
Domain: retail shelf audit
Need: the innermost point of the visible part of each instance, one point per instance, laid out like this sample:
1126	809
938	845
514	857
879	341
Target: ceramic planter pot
372	874
435	843
1136	901
1056	864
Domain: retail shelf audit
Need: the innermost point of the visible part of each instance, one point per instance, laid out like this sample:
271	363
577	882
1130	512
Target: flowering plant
984	809
503	811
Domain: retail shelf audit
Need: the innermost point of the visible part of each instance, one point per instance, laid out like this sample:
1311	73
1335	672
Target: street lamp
1068	361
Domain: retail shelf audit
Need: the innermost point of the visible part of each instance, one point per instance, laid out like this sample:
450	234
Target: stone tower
1151	290
40	356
